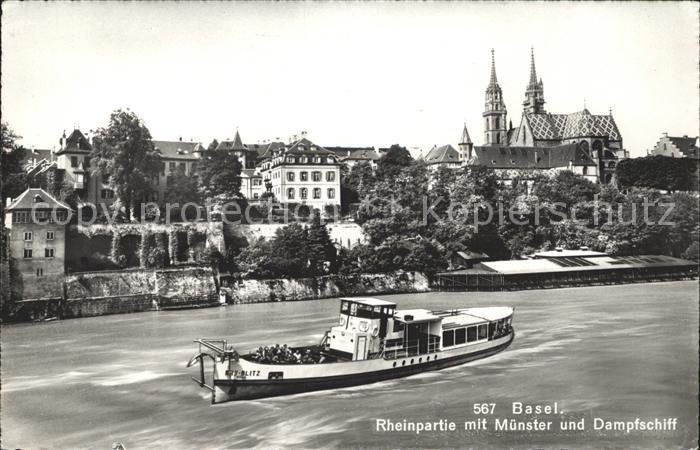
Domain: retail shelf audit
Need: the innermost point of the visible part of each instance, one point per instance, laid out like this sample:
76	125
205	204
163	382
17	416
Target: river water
614	352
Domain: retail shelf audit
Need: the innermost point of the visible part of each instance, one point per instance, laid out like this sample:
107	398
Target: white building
303	172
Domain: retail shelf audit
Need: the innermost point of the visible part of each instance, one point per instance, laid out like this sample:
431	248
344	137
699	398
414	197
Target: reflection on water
618	352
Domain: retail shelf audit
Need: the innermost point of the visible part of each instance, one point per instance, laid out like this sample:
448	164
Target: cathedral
584	143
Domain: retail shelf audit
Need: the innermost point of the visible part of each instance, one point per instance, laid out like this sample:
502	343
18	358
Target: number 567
484	408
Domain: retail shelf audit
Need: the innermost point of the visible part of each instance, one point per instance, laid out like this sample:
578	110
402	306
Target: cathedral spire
494	80
533	72
534	94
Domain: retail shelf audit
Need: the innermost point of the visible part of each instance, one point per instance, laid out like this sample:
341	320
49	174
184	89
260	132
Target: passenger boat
371	342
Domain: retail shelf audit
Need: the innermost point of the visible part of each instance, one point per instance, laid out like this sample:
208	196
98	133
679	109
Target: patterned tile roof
531	157
444	154
547	126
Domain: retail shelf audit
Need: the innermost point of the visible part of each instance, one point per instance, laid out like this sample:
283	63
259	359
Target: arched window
498	138
583	145
303	193
331	193
597	145
498	122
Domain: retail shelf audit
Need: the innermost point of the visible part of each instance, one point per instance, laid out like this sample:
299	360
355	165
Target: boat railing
414	347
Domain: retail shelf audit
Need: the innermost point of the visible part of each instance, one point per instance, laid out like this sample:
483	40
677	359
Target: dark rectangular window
398	326
171	166
483	331
471	334
74	161
48	252
460	336
448	338
28	253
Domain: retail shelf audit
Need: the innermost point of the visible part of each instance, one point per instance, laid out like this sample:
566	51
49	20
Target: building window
330	176
171	166
317	159
74	161
290	176
290	193
331	193
49	236
86	162
107	194
291	160
28	236
303	159
39	272
27	253
256	196
330	160
303	193
183	167
20	217
48	252
316	176
257	182
317	193
304	176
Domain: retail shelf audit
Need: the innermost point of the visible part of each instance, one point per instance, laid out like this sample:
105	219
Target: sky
350	74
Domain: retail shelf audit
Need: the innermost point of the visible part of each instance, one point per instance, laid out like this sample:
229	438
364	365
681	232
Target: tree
213	145
183	188
14	178
658	172
320	248
393	161
124	153
220	174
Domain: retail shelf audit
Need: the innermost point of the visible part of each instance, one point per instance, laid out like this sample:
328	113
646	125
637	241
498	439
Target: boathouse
561	268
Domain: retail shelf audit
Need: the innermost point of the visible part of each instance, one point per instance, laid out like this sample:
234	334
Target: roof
546	126
37	154
568	253
465	136
75	143
549	265
250	173
304	146
473	255
419	315
444	154
33	196
370	301
178	149
531	157
357	153
686	145
471	316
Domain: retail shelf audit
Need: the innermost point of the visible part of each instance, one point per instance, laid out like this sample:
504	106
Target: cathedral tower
495	113
534	94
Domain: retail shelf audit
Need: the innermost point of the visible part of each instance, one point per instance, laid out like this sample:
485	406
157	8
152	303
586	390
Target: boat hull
230	389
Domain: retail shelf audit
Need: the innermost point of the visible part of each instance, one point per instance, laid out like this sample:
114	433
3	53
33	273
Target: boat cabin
370	328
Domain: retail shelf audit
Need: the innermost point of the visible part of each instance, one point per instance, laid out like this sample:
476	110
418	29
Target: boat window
483	331
398	326
353	309
377	310
344	307
448	338
471	334
460	336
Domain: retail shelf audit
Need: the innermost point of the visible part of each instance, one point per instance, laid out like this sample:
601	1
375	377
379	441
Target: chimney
685	136
180	138
665	134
